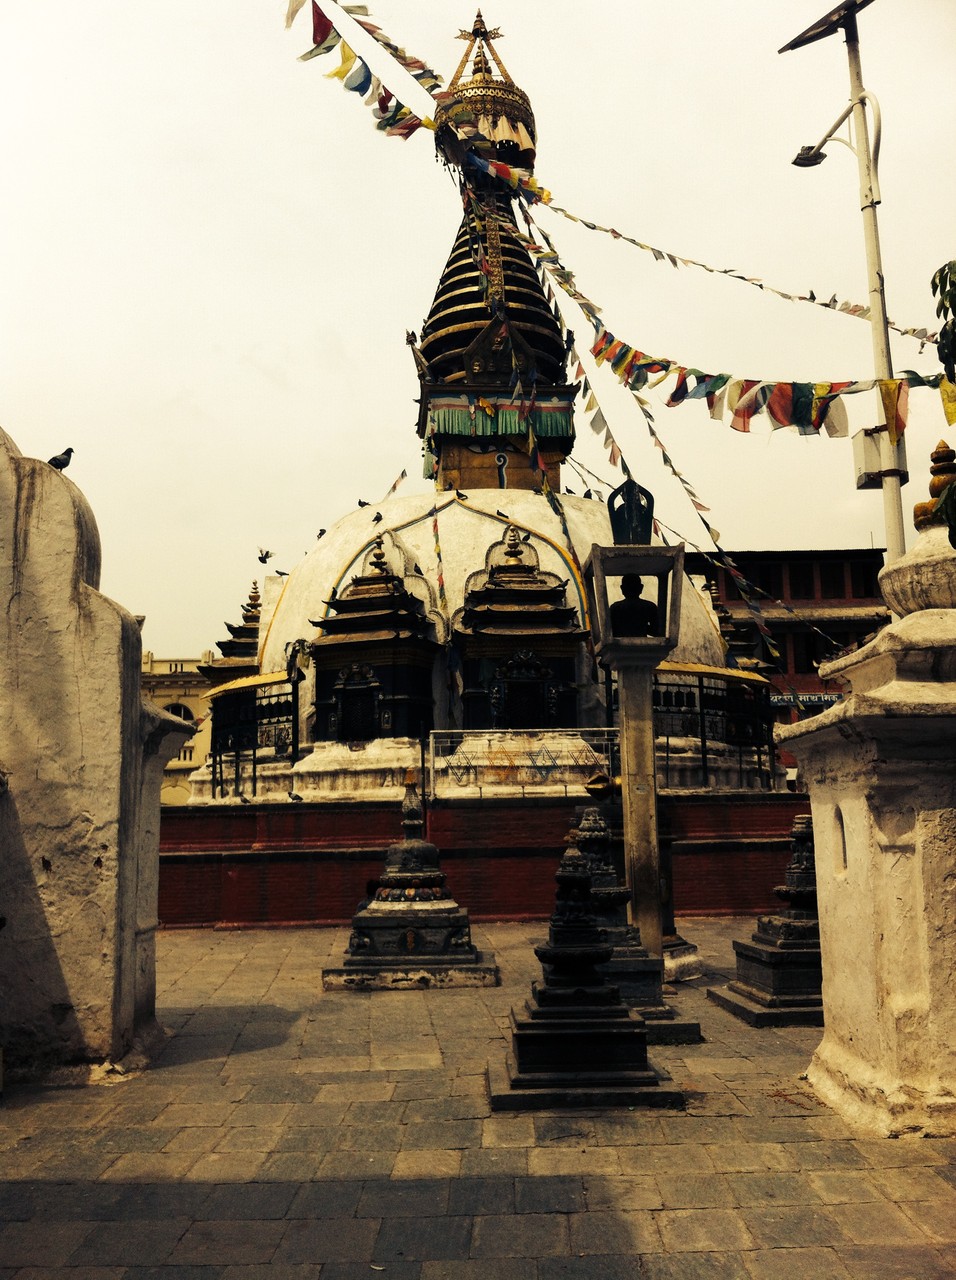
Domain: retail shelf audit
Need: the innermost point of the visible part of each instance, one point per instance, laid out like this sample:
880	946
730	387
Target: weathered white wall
882	780
83	757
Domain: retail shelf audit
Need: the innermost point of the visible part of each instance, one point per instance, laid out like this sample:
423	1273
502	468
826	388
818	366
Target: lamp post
891	463
632	637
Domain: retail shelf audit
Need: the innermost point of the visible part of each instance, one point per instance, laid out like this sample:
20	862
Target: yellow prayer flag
348	61
947	393
890	396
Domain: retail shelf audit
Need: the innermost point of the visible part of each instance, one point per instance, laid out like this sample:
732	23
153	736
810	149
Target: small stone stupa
410	933
779	971
576	1044
637	974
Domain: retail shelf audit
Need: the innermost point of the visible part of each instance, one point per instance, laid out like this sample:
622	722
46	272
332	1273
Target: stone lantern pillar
632	636
879	768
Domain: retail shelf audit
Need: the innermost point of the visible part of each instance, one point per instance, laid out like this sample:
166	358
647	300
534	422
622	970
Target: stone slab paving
286	1132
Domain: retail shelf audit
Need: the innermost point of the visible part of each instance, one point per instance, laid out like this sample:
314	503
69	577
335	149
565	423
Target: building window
179	709
804	653
802	586
186	754
833	580
768	577
863	580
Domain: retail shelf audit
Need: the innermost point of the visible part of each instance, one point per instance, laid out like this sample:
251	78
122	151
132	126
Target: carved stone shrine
779	975
637	974
576	1044
410	932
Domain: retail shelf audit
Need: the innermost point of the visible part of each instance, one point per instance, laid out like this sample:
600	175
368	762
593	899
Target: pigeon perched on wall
377	517
363	503
62	460
320	534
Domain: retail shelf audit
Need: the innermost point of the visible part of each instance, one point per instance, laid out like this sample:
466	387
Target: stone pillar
79	815
639	798
879	769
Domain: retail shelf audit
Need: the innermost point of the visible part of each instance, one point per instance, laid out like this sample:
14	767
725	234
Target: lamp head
808	157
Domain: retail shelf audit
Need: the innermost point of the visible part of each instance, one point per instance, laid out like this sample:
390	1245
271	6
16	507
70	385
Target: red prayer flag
321	26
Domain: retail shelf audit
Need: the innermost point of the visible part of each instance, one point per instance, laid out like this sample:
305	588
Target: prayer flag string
393	118
808	407
397	120
442	598
524	184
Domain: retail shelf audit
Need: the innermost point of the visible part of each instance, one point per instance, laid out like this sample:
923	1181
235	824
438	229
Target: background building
815	604
178	686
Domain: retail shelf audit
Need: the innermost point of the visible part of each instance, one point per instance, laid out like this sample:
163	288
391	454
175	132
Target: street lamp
632	637
891	460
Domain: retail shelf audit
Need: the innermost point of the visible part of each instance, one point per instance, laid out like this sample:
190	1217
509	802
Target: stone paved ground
288	1133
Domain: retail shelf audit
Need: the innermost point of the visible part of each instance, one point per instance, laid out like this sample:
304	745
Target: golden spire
500	110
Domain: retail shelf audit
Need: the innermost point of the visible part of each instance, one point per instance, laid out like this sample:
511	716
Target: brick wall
310	863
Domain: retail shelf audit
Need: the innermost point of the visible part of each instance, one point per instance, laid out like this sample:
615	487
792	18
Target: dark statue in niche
633	616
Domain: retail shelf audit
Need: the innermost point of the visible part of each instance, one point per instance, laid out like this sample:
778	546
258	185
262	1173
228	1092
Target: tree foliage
944	289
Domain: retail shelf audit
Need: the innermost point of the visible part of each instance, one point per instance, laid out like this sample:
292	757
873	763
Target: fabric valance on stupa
550	417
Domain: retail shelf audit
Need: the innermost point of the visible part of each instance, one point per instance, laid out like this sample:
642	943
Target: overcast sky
209	259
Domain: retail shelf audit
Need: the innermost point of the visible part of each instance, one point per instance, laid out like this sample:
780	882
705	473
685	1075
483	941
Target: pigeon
281	573
570	491
363	503
462	496
417	568
293	796
265	555
320	534
244	799
527	537
503	516
377	517
62	460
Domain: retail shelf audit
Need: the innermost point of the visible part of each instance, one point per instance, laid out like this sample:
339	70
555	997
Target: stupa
460	610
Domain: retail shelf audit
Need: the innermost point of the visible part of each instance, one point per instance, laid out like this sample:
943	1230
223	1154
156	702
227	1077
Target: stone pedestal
779	976
81	762
576	1043
879	768
411	933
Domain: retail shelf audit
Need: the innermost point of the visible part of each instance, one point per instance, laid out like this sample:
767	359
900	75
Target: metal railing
713	731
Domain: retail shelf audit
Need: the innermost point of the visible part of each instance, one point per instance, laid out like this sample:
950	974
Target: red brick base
270	864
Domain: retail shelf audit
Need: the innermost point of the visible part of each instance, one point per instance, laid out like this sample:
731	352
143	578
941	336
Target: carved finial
943	474
379	563
513	548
